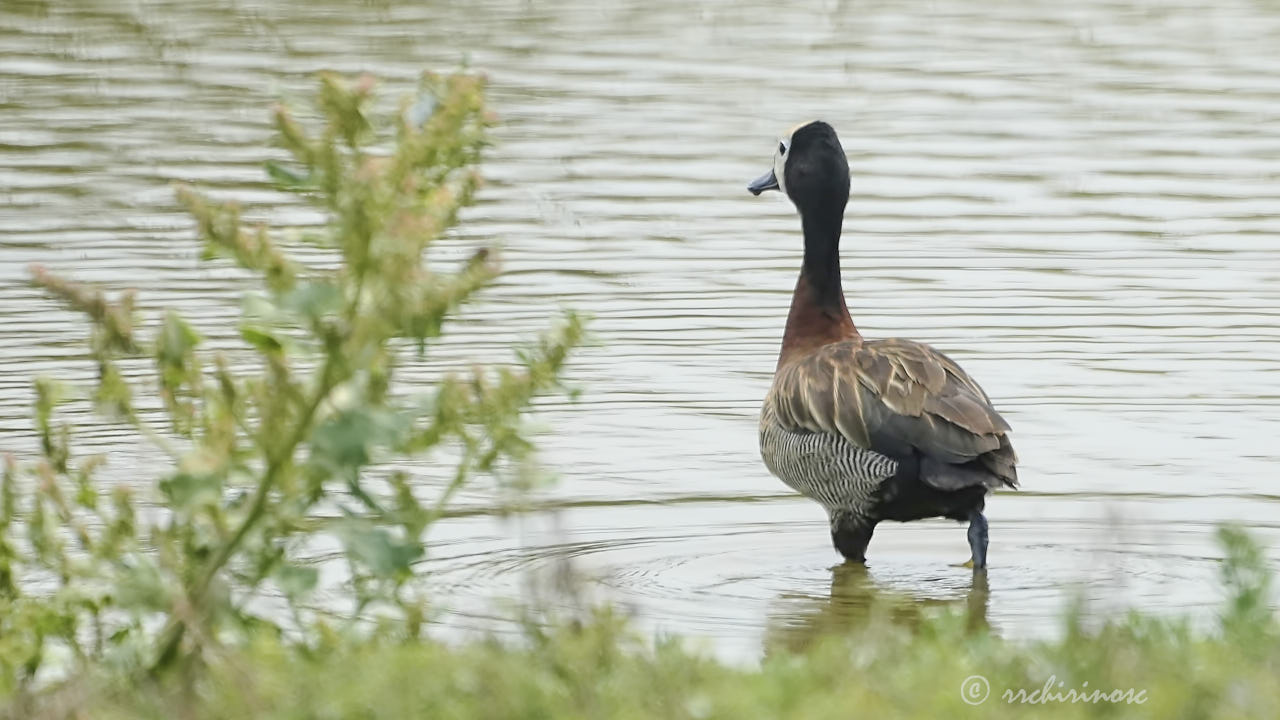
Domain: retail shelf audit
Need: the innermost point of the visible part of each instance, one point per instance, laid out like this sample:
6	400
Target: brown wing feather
896	397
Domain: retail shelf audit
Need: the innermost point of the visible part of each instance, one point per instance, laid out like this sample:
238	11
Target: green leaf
313	299
376	549
348	439
296	581
189	491
177	338
49	393
113	396
260	339
288	178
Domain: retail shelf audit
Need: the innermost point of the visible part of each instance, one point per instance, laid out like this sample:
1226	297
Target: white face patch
782	153
780	162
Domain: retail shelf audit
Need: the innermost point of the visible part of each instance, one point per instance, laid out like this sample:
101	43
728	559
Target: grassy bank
922	666
1140	667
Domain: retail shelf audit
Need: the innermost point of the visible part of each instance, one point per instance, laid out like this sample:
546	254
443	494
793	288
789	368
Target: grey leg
978	539
850	534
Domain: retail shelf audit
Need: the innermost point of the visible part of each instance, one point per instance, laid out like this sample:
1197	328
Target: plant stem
174	633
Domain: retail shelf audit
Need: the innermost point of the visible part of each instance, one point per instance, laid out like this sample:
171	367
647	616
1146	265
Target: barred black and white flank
884	430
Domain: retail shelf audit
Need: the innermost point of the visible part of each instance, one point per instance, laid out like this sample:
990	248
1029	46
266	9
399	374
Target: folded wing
900	398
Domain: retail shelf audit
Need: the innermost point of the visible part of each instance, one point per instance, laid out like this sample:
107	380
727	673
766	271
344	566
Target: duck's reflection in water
857	603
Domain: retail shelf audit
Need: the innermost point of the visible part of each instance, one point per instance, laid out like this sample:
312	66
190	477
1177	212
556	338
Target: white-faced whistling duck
871	430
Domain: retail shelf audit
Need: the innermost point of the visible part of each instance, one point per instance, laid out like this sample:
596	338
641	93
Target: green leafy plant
269	464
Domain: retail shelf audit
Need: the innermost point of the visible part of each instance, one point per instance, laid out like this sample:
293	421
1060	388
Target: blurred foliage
884	665
271	458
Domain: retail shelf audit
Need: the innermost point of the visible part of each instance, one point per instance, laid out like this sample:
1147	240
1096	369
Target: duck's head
809	166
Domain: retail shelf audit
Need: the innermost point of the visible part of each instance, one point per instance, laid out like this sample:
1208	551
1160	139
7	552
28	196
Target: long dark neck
822	259
818	313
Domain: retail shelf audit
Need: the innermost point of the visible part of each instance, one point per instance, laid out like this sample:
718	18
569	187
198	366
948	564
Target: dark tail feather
1002	462
951	478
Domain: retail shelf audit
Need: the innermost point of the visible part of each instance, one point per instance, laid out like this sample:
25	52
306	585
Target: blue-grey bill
766	181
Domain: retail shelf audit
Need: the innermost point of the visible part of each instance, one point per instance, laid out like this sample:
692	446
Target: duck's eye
782	148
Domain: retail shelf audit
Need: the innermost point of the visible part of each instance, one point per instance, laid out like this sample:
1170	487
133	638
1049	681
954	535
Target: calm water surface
1078	201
